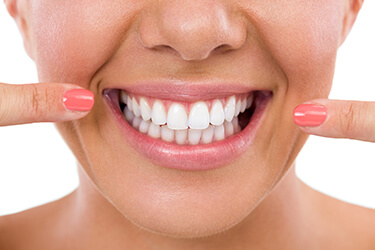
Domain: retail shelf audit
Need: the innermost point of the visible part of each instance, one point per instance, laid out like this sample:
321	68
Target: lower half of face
191	128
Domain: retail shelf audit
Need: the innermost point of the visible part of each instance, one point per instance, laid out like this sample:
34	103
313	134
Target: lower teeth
186	136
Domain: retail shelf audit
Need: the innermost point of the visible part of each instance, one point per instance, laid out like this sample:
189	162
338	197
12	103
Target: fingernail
78	100
309	115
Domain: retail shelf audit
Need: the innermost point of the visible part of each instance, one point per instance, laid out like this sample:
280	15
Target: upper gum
187	105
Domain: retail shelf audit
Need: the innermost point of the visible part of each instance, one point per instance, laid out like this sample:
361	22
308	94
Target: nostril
193	55
190	30
170	50
161	47
222	48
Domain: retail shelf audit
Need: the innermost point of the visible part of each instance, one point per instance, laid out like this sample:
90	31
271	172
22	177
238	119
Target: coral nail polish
78	100
309	115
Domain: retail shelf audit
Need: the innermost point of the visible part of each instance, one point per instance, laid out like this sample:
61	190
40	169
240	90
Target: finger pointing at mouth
337	119
43	102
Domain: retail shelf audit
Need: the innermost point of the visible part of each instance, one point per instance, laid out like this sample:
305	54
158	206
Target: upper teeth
198	116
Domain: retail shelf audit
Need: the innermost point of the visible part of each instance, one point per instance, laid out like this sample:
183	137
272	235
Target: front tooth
136	122
123	97
238	107
158	114
167	134
144	126
136	108
177	117
230	108
217	113
243	105
194	136
154	131
250	100
181	136
199	117
129	116
145	109
207	134
219	133
229	128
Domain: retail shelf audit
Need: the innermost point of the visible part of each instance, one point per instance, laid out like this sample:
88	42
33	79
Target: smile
189	135
185	123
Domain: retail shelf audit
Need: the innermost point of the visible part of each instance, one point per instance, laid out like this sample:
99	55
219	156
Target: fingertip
78	100
309	115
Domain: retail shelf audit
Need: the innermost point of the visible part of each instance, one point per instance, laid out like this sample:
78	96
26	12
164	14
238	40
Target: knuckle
351	118
40	101
30	102
34	101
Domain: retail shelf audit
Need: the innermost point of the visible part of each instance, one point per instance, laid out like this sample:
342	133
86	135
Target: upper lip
188	91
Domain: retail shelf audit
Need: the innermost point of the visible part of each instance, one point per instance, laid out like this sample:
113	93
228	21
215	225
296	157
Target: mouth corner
111	93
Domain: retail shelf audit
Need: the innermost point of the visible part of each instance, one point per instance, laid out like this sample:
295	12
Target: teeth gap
243	120
122	106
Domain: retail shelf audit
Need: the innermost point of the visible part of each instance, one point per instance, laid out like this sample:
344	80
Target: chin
189	204
189	216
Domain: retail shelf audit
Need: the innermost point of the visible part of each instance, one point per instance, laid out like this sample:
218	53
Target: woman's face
184	52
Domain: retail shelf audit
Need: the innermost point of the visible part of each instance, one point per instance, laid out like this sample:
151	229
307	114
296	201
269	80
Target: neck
277	220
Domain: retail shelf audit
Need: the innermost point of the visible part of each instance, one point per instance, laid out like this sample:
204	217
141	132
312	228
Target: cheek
74	38
302	37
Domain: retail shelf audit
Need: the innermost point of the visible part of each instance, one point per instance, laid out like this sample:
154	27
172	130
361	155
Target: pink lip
185	91
186	157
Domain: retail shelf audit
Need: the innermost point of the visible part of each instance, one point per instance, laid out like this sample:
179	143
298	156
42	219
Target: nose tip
193	29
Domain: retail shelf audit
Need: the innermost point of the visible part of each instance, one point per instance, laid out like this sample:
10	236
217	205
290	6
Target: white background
36	166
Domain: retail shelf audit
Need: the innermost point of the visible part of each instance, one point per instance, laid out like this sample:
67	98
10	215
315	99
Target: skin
126	202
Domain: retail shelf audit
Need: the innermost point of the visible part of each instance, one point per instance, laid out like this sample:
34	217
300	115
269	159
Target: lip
185	91
188	157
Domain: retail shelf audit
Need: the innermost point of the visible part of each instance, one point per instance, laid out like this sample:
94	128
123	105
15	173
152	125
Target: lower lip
187	157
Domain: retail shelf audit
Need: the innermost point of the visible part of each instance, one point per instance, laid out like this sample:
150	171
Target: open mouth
189	135
187	123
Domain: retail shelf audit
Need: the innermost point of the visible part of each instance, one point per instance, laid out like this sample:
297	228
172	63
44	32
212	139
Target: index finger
337	119
43	102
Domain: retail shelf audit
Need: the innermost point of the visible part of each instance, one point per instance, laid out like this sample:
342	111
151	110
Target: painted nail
78	100
309	115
